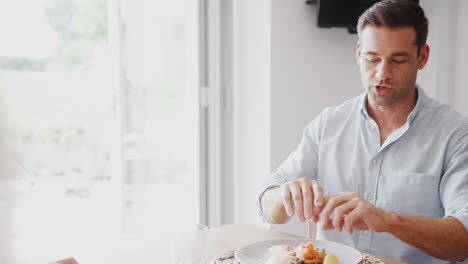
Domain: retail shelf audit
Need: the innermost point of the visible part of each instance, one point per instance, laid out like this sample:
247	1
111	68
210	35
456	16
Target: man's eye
399	61
372	60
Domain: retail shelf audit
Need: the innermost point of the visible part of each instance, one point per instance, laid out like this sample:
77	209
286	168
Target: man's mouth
381	89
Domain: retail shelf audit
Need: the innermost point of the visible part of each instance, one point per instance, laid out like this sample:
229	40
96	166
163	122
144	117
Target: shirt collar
363	107
422	99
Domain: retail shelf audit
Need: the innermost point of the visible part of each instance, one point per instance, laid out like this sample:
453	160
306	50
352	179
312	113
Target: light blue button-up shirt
421	169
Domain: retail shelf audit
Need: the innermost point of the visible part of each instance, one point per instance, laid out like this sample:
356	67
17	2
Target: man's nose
384	71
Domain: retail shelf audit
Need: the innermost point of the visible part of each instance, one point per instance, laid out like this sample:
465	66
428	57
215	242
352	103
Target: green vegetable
320	249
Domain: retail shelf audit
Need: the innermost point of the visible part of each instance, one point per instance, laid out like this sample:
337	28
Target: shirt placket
364	239
370	193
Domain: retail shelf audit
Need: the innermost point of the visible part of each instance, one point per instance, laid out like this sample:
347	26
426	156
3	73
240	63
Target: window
100	124
159	115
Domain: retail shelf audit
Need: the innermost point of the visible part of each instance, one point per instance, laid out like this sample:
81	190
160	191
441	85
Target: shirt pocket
416	193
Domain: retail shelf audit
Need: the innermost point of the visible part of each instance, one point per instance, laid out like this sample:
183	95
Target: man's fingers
333	201
341	212
308	198
326	223
315	218
303	197
353	220
318	197
348	222
330	203
287	201
296	194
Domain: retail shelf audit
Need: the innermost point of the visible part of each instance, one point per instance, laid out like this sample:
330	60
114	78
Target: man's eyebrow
399	54
396	54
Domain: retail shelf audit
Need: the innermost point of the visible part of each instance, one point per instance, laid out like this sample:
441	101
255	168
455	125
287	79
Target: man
385	172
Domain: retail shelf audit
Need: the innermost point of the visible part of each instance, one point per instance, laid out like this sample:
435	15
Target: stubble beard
383	100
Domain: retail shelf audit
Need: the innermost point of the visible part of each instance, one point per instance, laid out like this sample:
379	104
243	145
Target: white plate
257	253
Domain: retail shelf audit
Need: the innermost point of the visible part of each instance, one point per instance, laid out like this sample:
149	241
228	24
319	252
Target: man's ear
423	56
358	52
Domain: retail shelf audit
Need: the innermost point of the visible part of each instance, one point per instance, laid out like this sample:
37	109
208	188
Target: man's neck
389	118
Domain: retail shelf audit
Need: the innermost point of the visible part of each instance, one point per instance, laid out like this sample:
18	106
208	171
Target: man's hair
395	14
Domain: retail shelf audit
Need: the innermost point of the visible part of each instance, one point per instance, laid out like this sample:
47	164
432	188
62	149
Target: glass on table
191	247
199	227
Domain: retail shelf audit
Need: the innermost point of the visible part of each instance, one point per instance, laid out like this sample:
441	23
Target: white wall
445	76
290	70
251	104
311	68
461	65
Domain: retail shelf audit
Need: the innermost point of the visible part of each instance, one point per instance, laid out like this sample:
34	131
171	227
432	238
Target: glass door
160	116
99	119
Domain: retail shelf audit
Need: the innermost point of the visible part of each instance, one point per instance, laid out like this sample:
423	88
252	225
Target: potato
330	259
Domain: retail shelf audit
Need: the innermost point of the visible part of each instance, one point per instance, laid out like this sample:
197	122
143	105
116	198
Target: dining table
217	245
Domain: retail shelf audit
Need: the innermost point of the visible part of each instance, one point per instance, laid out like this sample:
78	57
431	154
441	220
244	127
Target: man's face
388	60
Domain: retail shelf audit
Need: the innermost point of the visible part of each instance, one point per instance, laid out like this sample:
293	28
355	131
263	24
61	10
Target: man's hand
303	197
352	212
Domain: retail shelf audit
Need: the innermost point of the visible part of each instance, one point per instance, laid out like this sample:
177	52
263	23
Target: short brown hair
394	14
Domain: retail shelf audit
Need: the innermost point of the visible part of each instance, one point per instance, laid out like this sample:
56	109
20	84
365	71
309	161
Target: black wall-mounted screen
341	13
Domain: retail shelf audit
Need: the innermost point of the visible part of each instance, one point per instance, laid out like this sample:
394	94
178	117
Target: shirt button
370	197
365	233
375	162
372	127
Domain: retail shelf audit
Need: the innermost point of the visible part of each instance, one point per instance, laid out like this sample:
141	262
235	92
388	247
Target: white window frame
216	91
212	189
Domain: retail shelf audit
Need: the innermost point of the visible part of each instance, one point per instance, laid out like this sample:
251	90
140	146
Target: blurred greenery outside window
58	116
47	100
67	118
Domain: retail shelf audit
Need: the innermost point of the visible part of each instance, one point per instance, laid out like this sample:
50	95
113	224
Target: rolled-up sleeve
454	185
302	162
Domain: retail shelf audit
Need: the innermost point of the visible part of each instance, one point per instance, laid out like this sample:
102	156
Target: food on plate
330	259
282	255
302	254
